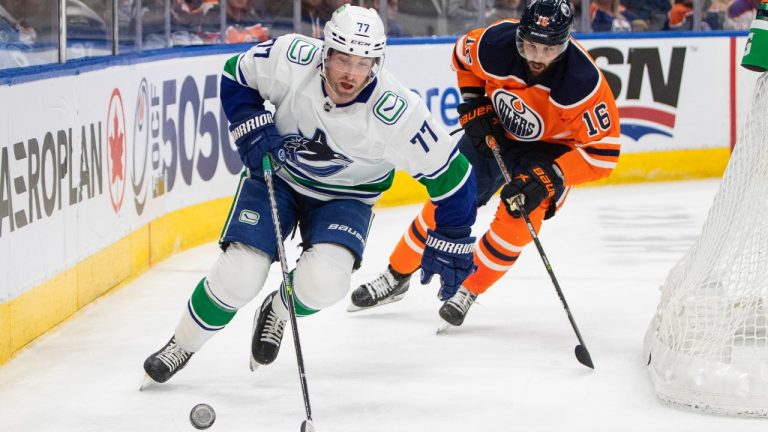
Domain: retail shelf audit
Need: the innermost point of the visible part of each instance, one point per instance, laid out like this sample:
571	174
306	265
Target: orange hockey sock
500	246
406	258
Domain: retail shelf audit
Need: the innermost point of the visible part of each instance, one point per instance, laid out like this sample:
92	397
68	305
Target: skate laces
462	300
382	285
273	329
173	355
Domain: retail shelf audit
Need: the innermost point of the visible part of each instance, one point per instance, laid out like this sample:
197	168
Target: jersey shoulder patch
302	50
389	107
579	77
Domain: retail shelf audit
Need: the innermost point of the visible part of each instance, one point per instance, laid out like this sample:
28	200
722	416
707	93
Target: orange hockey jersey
570	104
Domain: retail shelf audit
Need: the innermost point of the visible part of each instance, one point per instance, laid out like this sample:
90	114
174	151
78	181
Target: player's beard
536	68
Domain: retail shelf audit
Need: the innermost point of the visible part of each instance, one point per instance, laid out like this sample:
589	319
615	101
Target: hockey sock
406	258
204	316
281	307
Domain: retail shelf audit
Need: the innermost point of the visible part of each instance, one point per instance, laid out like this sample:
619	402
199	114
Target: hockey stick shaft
582	354
267	167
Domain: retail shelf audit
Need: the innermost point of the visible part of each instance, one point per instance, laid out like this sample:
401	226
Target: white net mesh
707	345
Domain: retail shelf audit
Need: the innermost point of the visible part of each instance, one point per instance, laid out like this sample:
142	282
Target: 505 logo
180	132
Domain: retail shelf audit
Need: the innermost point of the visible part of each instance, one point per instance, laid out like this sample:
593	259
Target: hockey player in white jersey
340	127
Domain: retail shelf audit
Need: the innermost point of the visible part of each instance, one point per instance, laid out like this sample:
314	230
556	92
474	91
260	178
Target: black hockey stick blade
307	426
582	355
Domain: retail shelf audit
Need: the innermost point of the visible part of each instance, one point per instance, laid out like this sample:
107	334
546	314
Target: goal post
707	344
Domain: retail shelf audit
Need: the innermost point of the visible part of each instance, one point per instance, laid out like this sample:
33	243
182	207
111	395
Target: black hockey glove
478	119
256	136
533	181
448	254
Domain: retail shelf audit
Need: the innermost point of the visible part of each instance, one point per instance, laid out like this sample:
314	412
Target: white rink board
191	160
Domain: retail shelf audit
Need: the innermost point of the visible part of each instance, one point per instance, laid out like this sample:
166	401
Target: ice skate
388	287
267	334
453	311
162	365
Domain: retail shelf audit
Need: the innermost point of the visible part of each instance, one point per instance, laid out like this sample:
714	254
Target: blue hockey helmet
547	22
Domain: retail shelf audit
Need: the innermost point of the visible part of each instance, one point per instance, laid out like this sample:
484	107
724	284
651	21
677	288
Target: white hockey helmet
357	31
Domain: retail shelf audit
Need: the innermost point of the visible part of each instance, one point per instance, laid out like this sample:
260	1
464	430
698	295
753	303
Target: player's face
540	56
346	75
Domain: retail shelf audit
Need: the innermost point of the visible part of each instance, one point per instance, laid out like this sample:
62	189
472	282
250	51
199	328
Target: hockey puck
202	416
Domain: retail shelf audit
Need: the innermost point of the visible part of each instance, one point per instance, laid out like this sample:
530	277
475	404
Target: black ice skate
389	287
267	334
455	309
164	364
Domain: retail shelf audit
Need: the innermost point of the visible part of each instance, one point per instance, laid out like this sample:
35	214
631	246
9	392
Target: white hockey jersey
351	150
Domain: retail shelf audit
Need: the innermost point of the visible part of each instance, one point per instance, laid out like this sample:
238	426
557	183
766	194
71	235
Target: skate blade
354	308
148	382
254	364
443	326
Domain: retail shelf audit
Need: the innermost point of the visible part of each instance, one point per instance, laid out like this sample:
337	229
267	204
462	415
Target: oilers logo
518	119
313	157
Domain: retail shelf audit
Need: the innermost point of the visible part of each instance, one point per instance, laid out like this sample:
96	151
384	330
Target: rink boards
109	166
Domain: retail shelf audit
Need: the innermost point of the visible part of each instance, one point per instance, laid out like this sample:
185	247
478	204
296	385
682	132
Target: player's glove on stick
478	119
533	182
448	255
255	136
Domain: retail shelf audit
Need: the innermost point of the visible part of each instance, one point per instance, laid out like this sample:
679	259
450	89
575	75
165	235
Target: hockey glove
533	182
450	257
478	118
254	137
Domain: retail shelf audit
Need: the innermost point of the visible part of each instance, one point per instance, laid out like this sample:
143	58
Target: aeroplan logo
645	73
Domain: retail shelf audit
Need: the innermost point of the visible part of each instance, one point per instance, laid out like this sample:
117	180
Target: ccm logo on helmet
359	42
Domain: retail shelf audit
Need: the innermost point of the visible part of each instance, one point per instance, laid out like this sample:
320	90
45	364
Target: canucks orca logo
314	156
517	117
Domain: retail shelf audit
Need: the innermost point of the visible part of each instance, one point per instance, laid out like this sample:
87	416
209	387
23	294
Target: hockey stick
581	350
306	425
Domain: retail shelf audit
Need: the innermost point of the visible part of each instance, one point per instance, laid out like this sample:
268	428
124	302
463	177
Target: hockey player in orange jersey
541	96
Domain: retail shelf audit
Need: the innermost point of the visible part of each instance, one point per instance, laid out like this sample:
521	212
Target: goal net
707	345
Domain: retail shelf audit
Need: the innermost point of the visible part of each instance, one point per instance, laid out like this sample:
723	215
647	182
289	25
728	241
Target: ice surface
509	367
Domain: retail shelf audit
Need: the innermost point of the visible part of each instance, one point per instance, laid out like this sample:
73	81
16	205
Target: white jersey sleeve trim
596	162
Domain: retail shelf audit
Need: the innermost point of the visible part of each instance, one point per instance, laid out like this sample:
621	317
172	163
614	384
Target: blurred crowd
29	28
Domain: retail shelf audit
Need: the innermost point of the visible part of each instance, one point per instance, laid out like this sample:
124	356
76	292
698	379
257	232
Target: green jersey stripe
230	68
454	176
375	187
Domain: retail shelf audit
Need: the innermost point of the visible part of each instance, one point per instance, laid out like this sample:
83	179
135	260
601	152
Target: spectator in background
394	28
608	16
652	11
681	16
506	9
740	14
13	21
639	25
187	19
244	23
332	5
314	14
15	36
463	15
